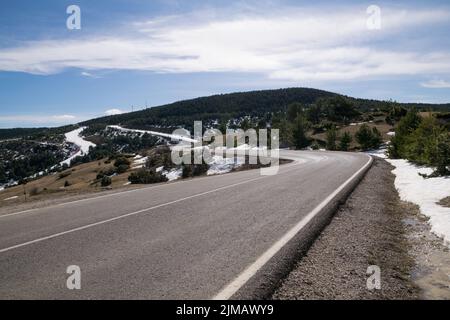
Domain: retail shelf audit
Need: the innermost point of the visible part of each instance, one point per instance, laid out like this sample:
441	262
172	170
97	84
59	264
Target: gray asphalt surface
184	240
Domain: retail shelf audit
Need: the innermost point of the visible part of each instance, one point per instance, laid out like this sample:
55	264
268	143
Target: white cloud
112	112
40	119
436	84
288	44
89	75
64	117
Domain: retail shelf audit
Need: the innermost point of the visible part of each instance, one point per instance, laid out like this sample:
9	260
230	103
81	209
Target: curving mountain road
228	236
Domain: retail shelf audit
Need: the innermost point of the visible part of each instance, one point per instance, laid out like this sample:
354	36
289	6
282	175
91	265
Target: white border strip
134	213
229	290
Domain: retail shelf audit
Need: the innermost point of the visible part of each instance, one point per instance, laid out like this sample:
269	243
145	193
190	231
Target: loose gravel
367	230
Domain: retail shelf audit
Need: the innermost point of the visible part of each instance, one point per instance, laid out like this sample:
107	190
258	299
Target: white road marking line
132	213
130	191
230	289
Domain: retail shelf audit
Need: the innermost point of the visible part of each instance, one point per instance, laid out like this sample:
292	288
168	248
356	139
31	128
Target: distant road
195	239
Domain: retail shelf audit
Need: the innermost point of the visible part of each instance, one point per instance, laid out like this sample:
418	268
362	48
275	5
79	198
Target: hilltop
216	108
223	107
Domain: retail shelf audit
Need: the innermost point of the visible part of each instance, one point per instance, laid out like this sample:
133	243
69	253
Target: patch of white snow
83	145
160	134
173	174
425	193
380	153
220	165
11	198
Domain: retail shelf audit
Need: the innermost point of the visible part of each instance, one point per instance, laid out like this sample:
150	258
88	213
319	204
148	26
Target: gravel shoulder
369	229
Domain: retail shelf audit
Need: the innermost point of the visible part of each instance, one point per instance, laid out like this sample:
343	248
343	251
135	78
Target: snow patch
220	165
173	174
425	193
160	134
139	162
246	147
380	153
11	198
83	145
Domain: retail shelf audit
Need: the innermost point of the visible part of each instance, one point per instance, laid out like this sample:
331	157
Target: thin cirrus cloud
89	75
289	44
112	112
436	84
39	119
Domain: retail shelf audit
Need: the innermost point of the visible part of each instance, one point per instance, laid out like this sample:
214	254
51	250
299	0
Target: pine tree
406	126
299	128
331	138
442	156
223	126
285	130
377	140
293	110
368	138
345	141
313	114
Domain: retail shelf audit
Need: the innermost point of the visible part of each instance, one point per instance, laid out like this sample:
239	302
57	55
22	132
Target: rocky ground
373	227
432	259
445	202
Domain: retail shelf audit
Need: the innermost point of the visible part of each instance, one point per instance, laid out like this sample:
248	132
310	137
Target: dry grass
384	128
82	182
425	114
82	179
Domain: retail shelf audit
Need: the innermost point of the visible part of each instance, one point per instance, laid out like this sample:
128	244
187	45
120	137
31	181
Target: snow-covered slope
75	138
154	133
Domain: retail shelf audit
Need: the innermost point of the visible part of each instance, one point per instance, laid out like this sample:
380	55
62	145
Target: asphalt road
194	239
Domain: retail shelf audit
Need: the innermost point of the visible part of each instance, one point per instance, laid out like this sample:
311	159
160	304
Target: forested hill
235	105
44	134
222	106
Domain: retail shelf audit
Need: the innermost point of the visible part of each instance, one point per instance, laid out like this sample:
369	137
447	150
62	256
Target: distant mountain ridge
235	105
220	106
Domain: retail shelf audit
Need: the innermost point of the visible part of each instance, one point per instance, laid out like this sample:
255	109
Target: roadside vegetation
336	124
20	159
424	140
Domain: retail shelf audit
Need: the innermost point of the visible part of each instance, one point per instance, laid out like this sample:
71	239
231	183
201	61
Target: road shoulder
367	230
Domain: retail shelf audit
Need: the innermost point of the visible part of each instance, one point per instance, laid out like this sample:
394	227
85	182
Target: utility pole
24	190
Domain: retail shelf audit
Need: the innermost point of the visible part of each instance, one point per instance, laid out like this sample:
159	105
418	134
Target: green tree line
422	140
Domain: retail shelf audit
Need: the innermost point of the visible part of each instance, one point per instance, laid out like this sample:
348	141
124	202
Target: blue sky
138	53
